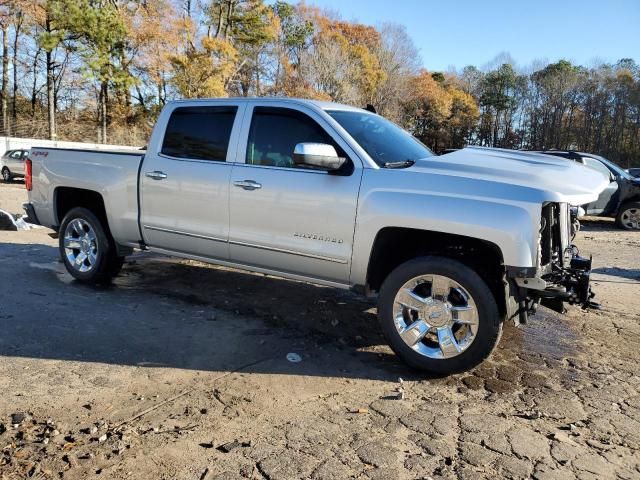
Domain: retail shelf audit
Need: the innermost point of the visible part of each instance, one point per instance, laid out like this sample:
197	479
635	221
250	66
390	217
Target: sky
466	32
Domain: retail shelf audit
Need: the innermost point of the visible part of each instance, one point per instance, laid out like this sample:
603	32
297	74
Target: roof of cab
318	103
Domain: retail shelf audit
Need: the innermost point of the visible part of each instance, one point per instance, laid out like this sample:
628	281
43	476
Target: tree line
101	70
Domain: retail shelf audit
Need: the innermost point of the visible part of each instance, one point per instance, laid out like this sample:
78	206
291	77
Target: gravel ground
179	370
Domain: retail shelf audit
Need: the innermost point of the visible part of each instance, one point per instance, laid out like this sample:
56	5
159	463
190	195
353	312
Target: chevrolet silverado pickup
453	246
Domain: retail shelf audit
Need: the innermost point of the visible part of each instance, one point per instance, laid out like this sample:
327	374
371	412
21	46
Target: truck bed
111	173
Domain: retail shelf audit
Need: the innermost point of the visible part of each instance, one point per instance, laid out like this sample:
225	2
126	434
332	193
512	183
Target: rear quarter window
199	133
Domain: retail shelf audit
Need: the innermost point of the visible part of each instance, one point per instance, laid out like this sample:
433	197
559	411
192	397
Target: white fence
13	143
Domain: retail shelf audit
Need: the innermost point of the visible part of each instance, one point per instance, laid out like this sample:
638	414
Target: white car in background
12	164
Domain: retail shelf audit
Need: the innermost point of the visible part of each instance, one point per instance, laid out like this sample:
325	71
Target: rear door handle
248	184
156	175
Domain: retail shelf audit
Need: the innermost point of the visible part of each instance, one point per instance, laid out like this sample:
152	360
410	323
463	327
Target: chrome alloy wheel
435	316
80	245
630	218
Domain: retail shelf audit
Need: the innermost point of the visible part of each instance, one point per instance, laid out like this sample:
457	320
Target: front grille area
555	233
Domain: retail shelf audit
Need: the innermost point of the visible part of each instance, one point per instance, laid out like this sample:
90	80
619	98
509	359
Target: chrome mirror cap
317	155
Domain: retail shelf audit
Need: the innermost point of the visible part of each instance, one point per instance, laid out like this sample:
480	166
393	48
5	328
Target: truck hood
498	172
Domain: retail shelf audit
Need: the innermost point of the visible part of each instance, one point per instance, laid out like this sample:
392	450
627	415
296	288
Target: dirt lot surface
179	370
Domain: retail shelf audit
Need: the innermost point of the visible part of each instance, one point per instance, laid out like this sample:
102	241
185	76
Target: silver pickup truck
452	245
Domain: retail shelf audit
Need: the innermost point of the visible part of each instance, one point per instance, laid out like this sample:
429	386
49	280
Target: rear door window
199	133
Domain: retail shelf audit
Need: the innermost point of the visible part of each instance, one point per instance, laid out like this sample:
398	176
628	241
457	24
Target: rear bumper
31	214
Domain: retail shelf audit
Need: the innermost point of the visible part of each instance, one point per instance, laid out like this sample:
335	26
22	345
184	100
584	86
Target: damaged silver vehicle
452	246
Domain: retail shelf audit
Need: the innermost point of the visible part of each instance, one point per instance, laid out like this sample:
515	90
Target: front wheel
438	315
628	216
87	250
6	175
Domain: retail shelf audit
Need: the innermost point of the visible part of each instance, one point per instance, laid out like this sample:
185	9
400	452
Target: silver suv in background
451	246
12	164
620	199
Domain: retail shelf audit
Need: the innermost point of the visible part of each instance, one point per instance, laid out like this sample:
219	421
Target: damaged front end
562	275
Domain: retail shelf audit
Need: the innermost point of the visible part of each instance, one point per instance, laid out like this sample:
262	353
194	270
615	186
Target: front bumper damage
562	285
561	277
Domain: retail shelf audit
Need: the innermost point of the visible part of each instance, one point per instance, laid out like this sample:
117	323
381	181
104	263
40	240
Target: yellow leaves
358	34
369	76
271	27
347	60
221	49
151	22
205	72
440	111
295	86
625	77
430	97
463	106
443	99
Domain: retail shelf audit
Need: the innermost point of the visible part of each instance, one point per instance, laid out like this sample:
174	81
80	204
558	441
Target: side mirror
317	155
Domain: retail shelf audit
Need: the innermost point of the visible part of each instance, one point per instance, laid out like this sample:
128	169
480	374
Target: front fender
513	228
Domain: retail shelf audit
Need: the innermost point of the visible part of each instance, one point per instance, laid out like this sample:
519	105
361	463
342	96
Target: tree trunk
227	25
14	99
140	98
51	102
34	85
219	27
258	86
103	111
164	90
5	81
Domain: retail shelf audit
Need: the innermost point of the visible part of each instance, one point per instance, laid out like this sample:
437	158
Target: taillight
28	174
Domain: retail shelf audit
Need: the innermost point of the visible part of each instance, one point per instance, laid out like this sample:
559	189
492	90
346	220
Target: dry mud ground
179	370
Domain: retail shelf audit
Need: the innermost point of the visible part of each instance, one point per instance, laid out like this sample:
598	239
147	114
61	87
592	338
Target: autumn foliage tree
101	70
439	113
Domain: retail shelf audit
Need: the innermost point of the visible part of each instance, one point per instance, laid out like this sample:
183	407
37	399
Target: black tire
107	264
624	209
489	327
6	175
116	266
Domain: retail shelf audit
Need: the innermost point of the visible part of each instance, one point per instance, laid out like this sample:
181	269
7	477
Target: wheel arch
395	245
66	198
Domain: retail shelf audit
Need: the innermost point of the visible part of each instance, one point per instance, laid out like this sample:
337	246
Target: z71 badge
317	236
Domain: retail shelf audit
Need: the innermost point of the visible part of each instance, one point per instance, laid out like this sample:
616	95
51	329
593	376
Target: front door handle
156	175
248	184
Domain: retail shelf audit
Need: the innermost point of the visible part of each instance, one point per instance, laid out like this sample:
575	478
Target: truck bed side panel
114	175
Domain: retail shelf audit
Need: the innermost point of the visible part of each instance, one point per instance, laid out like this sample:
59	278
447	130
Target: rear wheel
6	175
86	248
629	216
438	315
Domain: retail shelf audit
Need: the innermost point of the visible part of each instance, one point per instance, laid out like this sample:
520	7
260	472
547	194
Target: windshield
383	140
618	171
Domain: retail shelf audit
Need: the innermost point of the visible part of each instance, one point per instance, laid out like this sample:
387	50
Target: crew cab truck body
452	245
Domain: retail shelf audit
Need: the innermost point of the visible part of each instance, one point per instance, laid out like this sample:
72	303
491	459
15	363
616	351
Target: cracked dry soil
200	352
